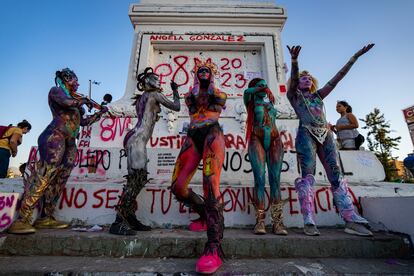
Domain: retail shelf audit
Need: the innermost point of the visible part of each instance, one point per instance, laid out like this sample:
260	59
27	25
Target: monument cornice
202	14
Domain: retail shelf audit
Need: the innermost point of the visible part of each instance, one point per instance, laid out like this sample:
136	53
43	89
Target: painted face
153	81
305	82
72	85
340	108
203	73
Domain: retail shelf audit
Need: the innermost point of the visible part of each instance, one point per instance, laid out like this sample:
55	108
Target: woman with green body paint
265	148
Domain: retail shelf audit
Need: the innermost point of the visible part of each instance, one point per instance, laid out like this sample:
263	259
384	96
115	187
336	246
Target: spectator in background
346	127
9	142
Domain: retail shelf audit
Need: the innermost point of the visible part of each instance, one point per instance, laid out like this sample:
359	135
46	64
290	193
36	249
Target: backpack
3	130
359	140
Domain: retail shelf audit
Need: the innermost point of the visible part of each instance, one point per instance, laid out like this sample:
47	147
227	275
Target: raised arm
324	91
173	105
294	72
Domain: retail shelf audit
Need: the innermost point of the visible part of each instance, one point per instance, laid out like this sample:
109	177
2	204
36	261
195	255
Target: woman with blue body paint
265	148
313	138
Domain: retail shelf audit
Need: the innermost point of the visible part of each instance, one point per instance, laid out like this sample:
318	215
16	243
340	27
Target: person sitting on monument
264	147
147	107
57	150
314	137
204	141
346	127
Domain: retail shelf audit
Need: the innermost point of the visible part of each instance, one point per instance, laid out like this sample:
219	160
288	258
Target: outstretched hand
294	51
364	50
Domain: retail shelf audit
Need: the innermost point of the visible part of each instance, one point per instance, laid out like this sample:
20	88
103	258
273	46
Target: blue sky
94	38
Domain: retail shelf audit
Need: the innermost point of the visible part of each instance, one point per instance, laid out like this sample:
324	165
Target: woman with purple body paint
135	142
57	150
313	138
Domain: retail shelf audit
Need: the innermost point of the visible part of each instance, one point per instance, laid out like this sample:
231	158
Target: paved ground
41	265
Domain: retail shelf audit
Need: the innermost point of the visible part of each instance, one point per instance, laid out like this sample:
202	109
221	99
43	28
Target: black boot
136	224
121	227
196	202
213	254
126	221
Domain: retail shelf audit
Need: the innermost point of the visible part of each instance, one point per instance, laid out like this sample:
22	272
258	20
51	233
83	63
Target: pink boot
198	225
208	264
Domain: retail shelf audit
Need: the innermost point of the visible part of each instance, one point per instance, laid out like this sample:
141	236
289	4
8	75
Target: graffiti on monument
8	203
160	201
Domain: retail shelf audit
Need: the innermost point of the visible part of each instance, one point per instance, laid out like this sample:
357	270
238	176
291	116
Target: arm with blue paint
327	89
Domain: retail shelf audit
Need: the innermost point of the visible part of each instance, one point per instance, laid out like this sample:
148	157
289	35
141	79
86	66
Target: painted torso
66	119
205	108
309	108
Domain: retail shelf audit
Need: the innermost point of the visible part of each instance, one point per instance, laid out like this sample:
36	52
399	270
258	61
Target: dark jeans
4	162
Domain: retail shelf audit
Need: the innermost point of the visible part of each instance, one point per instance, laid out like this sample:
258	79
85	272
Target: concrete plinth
179	243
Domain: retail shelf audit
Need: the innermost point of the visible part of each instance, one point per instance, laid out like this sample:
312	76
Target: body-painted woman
205	141
314	138
265	148
57	150
135	142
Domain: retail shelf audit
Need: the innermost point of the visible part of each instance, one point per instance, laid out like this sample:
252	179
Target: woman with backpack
11	138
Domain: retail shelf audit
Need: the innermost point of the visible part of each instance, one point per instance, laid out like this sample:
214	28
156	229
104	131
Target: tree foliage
380	141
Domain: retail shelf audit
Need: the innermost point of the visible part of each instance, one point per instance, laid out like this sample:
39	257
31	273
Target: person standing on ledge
314	137
57	150
148	106
265	148
204	141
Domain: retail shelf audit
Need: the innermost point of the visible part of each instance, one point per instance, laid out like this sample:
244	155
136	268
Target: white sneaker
357	229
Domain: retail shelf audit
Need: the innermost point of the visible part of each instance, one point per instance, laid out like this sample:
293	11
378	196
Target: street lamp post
90	87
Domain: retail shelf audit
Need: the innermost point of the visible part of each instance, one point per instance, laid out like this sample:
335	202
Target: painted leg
50	199
51	149
55	189
23	225
304	189
213	158
354	224
274	164
185	167
257	158
306	150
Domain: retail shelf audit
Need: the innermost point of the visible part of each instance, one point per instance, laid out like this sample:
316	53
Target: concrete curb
179	243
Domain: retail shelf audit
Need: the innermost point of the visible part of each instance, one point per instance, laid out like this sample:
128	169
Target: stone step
180	243
103	266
